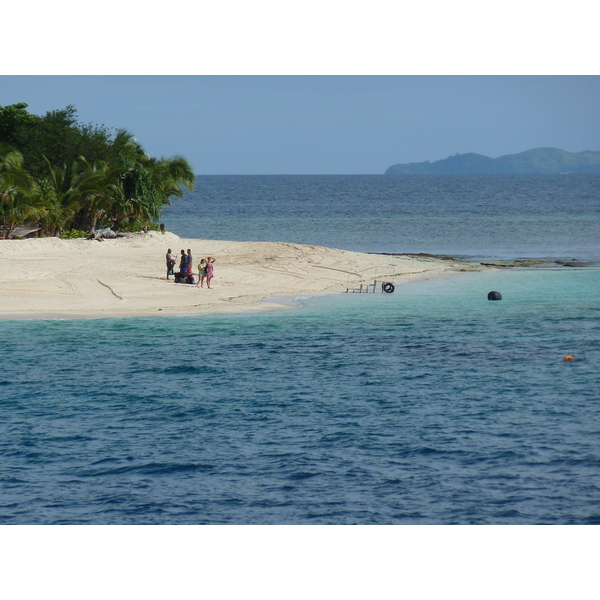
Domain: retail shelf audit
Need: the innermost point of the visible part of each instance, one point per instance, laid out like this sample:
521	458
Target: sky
327	87
356	124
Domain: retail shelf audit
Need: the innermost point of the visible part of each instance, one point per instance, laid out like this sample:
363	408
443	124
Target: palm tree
21	208
125	144
146	184
99	193
172	173
18	200
74	184
127	184
13	177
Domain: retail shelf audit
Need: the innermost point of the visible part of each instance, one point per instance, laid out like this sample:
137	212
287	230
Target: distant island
538	160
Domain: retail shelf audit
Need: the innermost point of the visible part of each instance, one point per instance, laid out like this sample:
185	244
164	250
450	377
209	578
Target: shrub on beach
135	226
73	234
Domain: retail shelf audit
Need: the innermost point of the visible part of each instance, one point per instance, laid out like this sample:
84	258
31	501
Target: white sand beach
122	277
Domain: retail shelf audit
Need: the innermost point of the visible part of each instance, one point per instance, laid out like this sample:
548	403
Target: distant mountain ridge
538	160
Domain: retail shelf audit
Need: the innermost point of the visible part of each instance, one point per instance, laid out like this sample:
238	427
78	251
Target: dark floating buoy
494	296
388	288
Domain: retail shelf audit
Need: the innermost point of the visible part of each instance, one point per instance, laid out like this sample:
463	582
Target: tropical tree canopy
74	176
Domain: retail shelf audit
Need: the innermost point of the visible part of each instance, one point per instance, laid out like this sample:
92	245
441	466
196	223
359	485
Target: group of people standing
205	271
205	267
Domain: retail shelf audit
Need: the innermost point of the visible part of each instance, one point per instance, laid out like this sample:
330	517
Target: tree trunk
94	221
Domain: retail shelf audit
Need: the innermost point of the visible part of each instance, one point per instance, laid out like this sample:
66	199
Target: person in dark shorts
201	273
183	262
170	262
190	262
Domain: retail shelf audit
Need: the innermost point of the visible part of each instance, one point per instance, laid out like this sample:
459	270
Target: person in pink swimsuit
209	270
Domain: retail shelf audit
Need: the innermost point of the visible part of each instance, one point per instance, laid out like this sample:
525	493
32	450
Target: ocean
431	405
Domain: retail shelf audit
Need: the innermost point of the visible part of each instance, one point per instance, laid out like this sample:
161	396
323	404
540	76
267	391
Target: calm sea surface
431	405
551	216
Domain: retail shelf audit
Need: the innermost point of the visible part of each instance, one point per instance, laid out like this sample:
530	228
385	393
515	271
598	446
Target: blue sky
325	124
323	87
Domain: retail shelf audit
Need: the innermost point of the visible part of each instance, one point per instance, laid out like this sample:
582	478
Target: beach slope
126	276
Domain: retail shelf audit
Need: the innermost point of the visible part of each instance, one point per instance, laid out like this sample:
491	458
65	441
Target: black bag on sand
185	278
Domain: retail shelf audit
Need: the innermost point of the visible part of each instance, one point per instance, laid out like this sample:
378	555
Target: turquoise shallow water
431	405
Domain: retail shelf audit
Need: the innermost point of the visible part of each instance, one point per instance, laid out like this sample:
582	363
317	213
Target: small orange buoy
568	358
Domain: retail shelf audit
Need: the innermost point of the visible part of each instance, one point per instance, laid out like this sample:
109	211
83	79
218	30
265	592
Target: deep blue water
485	216
431	405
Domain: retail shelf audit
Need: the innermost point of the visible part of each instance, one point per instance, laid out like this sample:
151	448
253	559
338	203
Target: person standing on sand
201	273
190	262
170	262
209	270
183	262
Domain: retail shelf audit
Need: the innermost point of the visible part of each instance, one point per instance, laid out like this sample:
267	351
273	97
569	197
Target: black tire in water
388	288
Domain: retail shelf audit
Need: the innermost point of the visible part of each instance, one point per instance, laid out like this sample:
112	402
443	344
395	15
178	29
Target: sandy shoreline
50	278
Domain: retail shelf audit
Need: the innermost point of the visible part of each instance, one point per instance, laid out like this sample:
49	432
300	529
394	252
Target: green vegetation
67	177
536	161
